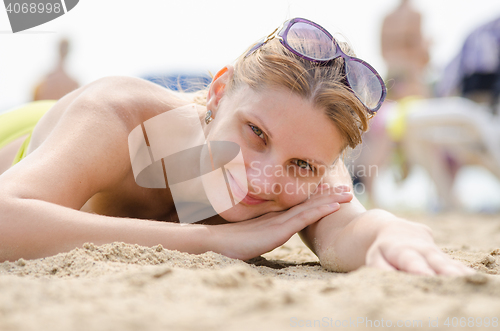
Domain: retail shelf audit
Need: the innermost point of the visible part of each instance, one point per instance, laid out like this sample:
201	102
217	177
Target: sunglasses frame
282	33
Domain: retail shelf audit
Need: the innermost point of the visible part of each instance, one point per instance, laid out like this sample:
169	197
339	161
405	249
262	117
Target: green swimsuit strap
22	152
21	121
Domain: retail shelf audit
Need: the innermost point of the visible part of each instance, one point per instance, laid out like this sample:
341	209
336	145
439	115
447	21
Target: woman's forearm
33	229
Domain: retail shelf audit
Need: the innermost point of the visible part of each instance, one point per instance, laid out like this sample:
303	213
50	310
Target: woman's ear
218	86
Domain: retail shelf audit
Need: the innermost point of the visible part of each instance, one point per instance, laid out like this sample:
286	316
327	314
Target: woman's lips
239	194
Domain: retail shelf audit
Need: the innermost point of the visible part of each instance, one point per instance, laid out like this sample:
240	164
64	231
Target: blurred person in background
57	83
475	72
406	53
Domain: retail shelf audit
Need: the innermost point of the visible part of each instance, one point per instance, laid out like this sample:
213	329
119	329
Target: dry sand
126	287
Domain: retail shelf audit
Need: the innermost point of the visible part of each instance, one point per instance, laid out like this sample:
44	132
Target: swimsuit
396	120
21	121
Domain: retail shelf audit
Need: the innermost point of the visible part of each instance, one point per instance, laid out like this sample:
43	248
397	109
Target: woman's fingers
412	261
423	261
315	203
405	260
244	240
444	265
284	224
341	193
376	259
325	188
312	215
316	207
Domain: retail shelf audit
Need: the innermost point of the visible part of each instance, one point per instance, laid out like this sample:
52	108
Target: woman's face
287	144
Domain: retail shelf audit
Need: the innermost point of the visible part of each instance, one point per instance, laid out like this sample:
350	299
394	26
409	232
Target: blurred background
157	38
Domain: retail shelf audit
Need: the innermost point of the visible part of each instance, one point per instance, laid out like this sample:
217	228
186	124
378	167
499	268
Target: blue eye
257	131
304	165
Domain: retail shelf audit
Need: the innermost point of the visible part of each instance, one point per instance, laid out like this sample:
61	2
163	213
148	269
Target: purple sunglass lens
308	40
364	83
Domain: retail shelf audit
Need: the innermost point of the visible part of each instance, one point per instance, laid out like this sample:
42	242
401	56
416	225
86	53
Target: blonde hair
274	65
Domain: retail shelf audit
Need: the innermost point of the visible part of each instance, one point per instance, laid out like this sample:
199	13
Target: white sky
125	37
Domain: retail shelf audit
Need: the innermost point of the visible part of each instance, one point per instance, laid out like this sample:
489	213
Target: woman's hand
247	239
409	247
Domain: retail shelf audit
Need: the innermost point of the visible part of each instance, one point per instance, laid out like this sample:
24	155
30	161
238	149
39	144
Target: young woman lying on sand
287	102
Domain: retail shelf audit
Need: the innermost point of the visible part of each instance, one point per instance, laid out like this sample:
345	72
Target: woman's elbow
10	228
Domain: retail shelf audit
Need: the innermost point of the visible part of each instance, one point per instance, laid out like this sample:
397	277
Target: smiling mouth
240	195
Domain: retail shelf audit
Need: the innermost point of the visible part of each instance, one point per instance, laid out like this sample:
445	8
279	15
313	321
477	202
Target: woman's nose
261	176
275	182
290	190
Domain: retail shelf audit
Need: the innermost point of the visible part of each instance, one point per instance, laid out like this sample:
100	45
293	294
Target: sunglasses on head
312	42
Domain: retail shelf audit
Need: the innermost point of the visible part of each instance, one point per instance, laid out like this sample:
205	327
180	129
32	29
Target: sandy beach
128	287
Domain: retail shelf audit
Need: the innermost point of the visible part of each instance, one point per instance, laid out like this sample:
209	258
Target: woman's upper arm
85	152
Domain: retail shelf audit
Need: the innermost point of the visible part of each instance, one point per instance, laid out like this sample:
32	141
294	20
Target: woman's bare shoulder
131	96
109	102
